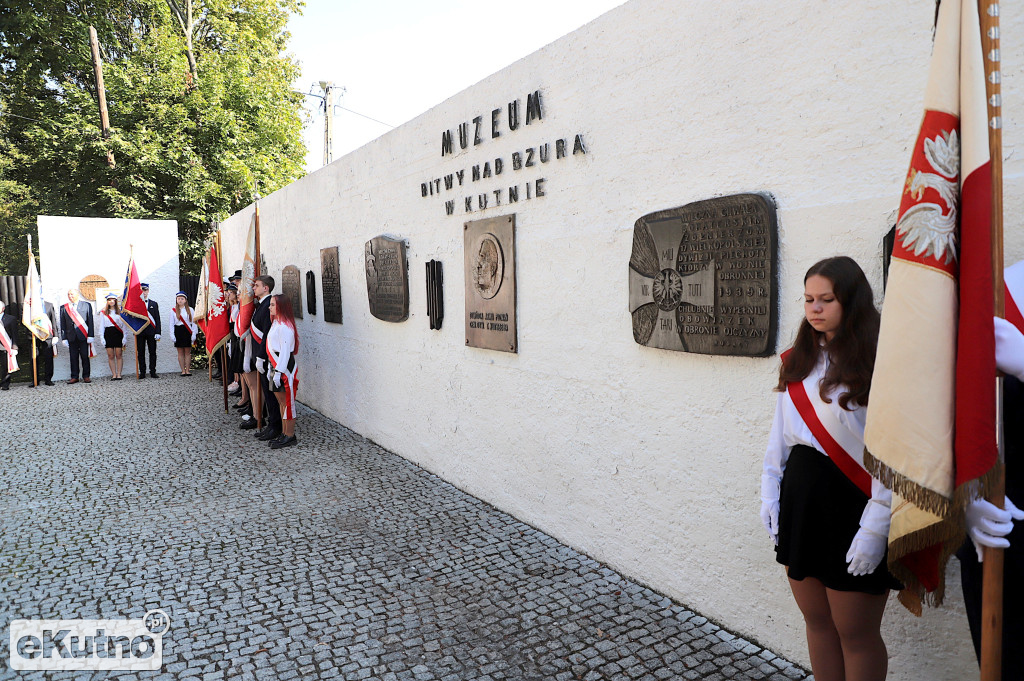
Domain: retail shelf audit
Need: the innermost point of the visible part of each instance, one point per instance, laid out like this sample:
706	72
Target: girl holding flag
828	518
112	333
282	346
185	331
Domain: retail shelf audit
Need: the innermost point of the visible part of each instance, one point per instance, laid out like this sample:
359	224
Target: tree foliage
200	114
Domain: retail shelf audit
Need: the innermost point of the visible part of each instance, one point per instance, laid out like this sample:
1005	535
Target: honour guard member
76	332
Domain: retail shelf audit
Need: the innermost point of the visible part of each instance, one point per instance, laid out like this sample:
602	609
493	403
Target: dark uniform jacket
261	320
68	330
154	328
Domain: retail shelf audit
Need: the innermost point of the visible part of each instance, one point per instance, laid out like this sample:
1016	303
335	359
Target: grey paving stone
335	559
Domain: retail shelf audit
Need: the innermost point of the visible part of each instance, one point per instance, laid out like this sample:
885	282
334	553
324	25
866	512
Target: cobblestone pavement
335	559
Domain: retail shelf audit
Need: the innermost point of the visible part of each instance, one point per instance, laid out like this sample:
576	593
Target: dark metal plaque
331	282
291	286
490	253
703	277
435	293
310	292
387	279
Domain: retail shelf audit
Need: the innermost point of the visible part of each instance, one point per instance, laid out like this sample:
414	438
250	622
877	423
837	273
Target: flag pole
223	347
131	259
35	371
258	408
992	566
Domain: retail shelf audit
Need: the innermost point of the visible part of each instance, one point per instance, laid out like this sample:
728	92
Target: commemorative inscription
490	264
703	277
331	282
387	279
291	286
310	292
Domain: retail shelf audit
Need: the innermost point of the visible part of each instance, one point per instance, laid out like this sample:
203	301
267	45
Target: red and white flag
930	432
218	314
246	304
201	293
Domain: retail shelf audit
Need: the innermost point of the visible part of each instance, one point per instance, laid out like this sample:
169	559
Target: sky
399	58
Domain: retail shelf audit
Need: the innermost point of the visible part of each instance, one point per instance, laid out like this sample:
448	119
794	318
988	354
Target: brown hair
852	349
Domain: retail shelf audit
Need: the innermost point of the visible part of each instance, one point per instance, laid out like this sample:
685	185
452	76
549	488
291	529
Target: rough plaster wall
72	248
646	459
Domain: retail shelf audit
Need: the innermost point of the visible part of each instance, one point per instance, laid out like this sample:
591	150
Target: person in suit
8	347
260	326
76	332
148	337
46	350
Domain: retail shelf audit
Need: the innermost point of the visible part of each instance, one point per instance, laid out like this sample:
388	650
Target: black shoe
5	387
31	385
235	393
142	376
153	374
49	383
248	424
270	434
240	407
284	441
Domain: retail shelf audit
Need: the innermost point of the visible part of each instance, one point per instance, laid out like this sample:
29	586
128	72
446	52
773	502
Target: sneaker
232	387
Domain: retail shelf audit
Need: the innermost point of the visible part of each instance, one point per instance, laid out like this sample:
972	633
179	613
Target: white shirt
789	430
281	344
106	324
187	315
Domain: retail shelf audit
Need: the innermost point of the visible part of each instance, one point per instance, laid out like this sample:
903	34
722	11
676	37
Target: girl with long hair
282	347
828	518
112	329
185	331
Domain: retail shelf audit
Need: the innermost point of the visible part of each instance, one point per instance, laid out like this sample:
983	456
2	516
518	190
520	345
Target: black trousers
5	376
79	353
142	341
273	408
44	361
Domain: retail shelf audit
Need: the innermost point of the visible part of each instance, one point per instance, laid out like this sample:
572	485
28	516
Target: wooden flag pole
992	566
35	369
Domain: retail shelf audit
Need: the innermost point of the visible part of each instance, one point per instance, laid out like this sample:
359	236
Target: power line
339	106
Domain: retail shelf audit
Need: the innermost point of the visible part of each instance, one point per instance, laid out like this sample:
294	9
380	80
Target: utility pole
101	92
328	87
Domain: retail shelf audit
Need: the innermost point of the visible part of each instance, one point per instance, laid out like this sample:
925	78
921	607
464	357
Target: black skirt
182	336
237	352
113	337
819	514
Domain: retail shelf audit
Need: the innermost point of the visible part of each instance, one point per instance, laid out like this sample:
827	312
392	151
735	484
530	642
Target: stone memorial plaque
291	286
331	282
387	279
310	292
703	277
490	253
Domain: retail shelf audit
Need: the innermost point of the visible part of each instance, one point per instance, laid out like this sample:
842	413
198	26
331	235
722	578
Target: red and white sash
79	323
257	335
843	446
181	319
8	346
111	320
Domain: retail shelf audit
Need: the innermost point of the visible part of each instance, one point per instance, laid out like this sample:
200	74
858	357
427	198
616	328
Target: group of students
262	359
829	520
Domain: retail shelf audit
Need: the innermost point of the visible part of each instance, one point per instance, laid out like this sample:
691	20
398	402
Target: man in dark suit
44	349
76	332
261	288
7	340
148	336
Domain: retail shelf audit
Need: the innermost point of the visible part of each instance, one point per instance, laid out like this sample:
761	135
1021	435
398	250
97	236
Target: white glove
14	352
277	379
988	525
156	337
65	343
866	551
1009	349
770	505
193	338
89	340
260	363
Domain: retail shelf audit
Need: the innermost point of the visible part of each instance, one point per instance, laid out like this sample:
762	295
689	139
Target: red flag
134	310
246	304
930	430
217	313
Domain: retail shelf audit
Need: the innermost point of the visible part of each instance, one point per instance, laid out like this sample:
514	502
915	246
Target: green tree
200	112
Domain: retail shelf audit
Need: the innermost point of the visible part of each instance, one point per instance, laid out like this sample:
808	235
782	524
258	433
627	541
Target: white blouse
105	324
789	430
187	314
281	344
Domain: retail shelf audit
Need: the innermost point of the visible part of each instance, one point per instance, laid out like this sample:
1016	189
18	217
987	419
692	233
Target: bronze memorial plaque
387	279
703	277
291	286
331	282
490	251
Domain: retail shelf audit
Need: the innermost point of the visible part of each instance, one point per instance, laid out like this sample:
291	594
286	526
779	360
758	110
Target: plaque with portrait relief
490	268
387	278
703	277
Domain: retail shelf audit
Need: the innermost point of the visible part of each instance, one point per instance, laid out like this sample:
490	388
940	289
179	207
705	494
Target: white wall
72	248
643	458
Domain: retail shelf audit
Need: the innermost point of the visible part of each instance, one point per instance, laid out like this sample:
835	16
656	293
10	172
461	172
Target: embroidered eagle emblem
927	228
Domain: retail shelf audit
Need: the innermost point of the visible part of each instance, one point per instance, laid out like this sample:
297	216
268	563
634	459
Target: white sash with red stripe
843	446
8	346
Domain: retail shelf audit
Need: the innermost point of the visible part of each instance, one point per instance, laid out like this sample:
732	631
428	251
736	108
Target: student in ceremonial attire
76	332
259	327
233	346
148	337
185	331
988	525
828	518
46	350
8	347
112	330
283	378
